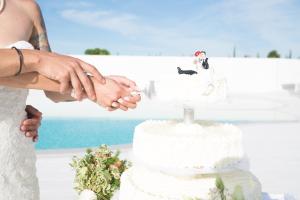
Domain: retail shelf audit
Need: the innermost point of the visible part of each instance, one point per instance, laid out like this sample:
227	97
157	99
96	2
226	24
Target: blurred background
224	28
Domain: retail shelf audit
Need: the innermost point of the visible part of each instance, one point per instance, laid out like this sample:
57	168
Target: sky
174	28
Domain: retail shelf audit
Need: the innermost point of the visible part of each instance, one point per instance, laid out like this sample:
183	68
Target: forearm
10	62
57	97
31	80
36	81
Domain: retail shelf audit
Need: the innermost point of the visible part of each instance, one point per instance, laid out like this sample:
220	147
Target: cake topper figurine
201	60
189	72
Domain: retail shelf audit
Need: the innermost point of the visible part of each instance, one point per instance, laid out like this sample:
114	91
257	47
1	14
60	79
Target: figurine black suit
189	72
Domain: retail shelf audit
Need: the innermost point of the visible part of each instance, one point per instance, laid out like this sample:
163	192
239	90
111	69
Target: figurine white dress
18	180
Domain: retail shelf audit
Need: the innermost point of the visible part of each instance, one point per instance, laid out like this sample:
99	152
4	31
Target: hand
31	125
69	72
109	94
124	81
129	85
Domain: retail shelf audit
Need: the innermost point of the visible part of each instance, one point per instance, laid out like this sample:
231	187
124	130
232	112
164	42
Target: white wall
255	91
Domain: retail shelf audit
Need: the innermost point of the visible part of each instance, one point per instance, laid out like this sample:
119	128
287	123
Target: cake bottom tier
139	183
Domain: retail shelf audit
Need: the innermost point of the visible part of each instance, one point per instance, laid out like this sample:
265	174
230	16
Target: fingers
110	109
124	81
127	103
93	71
30	122
65	87
30	125
124	108
31	134
133	98
87	84
30	128
35	138
127	82
33	111
77	86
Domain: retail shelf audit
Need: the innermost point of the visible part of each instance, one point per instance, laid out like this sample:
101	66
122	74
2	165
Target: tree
96	51
273	54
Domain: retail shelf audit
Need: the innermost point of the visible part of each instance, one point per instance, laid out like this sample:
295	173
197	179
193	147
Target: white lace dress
18	179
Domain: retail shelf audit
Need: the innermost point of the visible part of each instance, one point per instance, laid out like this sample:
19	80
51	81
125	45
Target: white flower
87	195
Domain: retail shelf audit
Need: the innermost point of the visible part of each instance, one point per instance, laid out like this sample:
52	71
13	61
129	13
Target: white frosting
192	90
176	145
139	183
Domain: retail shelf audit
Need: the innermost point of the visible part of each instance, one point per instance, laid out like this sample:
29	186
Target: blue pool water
60	133
66	133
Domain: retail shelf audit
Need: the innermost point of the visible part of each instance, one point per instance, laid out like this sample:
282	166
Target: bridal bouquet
98	173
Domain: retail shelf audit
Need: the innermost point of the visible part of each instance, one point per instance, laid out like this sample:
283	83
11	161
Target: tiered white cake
174	160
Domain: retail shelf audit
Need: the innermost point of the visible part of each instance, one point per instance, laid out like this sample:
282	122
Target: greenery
220	192
99	171
97	51
221	188
273	54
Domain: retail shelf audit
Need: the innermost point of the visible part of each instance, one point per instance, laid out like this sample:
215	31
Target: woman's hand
31	125
110	93
68	71
130	86
124	81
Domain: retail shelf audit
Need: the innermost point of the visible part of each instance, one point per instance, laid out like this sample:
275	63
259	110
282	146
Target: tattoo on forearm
40	42
39	38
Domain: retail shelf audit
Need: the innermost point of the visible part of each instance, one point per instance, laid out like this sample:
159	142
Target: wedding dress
18	180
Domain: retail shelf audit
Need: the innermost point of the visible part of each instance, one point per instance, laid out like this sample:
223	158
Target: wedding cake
175	160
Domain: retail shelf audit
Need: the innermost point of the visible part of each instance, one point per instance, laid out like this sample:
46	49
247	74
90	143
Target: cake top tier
198	147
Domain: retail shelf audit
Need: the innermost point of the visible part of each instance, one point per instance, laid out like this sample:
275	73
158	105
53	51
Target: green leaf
220	184
238	193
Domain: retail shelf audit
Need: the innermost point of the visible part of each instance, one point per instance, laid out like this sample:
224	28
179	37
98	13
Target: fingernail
134	93
126	98
115	104
23	128
73	95
27	134
121	100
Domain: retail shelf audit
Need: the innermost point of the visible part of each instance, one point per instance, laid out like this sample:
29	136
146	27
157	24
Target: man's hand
31	125
70	72
114	94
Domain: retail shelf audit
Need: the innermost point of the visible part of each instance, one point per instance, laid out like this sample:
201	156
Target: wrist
31	61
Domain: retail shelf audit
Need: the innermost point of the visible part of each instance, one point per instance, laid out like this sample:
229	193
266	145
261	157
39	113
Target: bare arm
10	62
39	40
28	79
34	80
31	80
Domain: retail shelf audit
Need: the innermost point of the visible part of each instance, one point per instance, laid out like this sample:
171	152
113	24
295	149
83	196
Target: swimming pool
70	133
66	133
